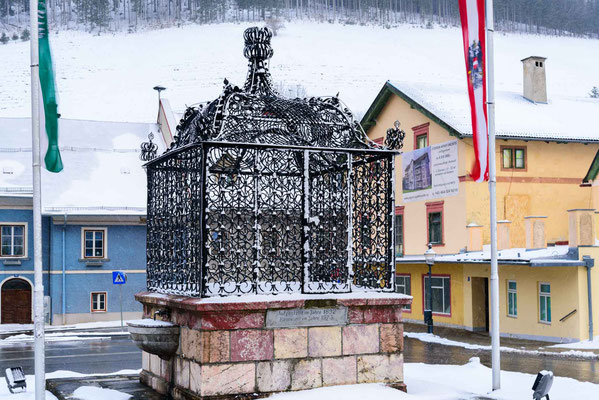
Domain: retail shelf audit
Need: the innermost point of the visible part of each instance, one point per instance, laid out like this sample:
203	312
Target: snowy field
110	77
424	381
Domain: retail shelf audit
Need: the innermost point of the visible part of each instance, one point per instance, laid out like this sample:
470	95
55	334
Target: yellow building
547	228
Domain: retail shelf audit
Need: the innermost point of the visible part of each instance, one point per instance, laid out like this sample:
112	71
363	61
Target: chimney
581	227
475	237
534	226
535	81
503	235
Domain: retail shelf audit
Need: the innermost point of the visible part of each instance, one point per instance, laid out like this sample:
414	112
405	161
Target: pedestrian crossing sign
119	277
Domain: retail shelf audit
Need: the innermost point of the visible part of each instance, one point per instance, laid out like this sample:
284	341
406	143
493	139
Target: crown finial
258	50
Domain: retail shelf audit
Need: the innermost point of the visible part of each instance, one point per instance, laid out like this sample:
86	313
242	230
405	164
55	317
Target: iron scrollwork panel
372	237
328	208
173	225
279	221
231	249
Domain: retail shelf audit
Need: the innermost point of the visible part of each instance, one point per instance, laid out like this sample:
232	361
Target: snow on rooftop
563	117
551	254
102	171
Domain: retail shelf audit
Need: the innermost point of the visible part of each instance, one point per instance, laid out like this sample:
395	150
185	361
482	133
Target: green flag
52	159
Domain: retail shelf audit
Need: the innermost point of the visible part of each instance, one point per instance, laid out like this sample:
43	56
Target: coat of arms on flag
472	16
475	64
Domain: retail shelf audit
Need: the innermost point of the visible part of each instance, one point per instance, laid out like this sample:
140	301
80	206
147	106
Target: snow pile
430	338
97	393
8	328
585	344
61	337
30	393
450	382
424	381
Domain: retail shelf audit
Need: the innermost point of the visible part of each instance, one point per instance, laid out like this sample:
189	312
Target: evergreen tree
24	35
4	38
594	92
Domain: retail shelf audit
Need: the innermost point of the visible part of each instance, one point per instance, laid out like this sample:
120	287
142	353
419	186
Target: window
420	136
512	299
399	231
12	239
434	228
98	302
440	292
434	214
403	285
545	303
94	243
513	158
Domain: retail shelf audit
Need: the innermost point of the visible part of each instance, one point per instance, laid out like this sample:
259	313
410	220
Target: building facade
547	227
93	223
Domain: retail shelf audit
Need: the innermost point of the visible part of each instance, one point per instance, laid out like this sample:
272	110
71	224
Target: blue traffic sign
119	277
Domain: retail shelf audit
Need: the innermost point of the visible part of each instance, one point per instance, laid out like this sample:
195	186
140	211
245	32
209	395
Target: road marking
75	355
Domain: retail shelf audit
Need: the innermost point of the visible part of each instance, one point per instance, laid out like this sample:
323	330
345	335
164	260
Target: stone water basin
155	337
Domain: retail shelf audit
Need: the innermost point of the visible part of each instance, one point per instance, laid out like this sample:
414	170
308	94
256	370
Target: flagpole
38	291
495	351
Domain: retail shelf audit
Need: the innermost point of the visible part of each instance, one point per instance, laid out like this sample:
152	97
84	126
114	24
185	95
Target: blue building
93	222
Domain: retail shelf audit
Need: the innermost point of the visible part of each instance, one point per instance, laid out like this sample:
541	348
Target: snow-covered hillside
111	77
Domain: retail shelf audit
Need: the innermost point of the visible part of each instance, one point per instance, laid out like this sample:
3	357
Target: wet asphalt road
432	353
101	355
114	353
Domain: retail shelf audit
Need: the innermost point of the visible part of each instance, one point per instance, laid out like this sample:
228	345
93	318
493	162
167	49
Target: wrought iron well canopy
263	194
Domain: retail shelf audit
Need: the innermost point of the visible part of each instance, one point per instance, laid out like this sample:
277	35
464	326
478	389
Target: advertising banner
430	172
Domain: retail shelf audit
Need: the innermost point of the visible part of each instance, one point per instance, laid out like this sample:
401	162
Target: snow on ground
430	338
30	393
8	328
584	344
450	382
424	381
110	77
61	337
97	393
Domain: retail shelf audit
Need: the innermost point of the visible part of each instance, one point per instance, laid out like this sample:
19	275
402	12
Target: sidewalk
482	341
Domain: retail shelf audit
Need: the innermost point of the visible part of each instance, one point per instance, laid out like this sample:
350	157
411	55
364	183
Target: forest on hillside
554	17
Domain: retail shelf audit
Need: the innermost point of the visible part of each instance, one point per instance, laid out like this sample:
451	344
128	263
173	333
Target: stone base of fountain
248	347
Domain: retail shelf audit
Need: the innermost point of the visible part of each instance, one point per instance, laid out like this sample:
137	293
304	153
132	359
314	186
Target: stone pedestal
247	347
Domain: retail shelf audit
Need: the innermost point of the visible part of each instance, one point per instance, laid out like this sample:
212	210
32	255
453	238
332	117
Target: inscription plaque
295	317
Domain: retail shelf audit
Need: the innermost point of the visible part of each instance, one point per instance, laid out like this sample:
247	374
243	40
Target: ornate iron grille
264	195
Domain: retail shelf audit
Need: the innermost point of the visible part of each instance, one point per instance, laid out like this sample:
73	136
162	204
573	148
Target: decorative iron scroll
395	137
148	149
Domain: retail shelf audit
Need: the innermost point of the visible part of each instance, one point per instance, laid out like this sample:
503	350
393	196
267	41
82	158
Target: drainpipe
590	263
64	280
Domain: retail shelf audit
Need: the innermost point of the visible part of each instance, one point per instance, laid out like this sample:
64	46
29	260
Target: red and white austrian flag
472	15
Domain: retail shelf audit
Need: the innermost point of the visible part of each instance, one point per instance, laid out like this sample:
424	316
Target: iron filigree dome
260	194
256	113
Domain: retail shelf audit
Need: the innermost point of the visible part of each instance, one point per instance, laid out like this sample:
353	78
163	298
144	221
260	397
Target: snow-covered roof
560	255
102	173
563	118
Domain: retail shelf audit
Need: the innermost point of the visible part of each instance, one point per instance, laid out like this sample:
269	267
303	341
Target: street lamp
159	89
429	257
